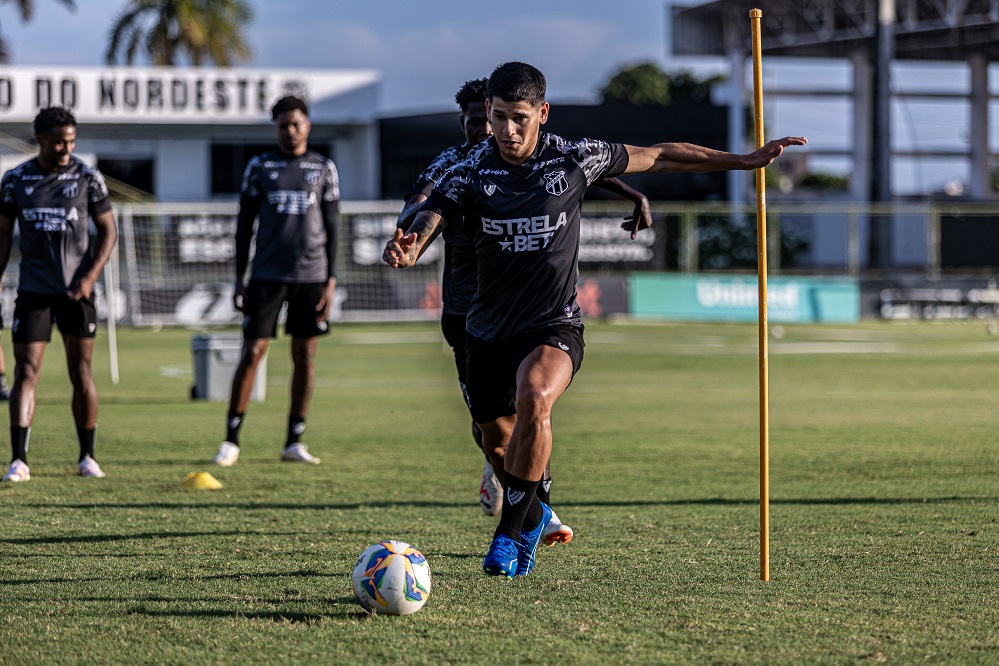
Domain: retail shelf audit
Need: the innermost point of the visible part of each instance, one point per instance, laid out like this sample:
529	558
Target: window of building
137	173
228	163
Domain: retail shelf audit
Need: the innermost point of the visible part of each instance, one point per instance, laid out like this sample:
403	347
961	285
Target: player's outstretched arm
641	217
689	157
404	249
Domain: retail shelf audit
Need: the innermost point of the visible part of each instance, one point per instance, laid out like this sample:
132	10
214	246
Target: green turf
885	477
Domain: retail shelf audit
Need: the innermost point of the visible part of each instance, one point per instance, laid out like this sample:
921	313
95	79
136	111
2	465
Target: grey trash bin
215	360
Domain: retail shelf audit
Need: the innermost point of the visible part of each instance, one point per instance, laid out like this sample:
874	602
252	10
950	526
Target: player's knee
303	356
533	402
81	381
26	375
252	353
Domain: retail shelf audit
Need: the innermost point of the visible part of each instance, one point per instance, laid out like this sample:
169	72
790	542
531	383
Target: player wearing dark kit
294	193
458	280
53	197
519	196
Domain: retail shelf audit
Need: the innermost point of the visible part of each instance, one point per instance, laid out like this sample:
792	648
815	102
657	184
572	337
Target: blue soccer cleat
501	560
529	542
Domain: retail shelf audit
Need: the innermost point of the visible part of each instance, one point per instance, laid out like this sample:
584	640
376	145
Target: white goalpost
111	299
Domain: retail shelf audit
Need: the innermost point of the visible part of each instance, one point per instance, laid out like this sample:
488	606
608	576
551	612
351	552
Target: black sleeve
98	207
8	201
445	207
423	187
248	209
331	220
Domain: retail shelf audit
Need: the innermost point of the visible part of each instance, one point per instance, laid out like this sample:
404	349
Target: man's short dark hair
289	103
517	82
53	117
473	91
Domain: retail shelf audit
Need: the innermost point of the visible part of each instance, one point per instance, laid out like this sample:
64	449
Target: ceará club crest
555	182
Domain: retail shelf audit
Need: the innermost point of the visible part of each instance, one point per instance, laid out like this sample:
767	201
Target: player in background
518	194
294	194
459	278
53	196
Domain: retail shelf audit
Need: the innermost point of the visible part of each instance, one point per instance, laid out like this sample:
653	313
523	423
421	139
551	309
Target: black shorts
263	302
34	314
492	367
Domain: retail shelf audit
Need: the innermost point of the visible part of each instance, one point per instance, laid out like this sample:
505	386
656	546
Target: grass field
885	502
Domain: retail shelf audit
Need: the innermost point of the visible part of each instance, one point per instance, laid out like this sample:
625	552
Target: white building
184	134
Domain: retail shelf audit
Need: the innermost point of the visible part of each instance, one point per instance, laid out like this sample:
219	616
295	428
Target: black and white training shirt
53	209
459	281
296	199
524	222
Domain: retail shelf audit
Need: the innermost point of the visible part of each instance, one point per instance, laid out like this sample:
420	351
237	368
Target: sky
425	50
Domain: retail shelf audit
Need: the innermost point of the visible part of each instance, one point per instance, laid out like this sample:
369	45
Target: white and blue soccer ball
391	577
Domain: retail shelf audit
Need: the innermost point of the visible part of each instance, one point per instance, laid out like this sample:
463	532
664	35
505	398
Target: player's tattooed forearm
425	227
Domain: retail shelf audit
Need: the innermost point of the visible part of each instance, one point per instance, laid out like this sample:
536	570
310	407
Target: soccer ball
391	577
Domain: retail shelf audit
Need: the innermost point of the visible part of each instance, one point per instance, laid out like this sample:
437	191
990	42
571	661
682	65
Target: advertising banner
735	298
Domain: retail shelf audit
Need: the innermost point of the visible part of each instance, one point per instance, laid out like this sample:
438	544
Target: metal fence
174	262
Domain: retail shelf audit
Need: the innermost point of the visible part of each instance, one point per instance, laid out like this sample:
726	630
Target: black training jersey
53	209
524	223
459	281
294	197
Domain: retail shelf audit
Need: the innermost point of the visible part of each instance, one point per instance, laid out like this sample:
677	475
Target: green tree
648	83
26	8
165	31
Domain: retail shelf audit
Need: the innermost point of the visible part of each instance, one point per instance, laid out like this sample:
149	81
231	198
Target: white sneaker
299	453
90	468
490	492
17	471
556	532
227	456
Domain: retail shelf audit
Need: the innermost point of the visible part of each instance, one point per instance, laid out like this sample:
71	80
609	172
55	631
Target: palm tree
27	10
203	31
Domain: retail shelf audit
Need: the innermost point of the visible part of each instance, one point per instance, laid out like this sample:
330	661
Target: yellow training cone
201	480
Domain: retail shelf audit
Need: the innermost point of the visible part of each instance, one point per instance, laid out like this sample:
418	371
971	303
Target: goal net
175	266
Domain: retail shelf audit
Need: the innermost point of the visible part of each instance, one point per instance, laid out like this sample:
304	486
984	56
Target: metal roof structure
870	34
950	30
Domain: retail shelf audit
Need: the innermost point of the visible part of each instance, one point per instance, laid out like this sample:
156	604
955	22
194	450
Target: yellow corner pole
761	247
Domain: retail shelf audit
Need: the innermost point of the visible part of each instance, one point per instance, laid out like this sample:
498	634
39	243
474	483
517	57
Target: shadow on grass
204	462
100	538
342	608
261	506
169	577
385	504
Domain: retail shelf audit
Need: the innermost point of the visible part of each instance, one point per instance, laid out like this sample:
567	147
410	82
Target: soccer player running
53	196
459	280
519	195
294	193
